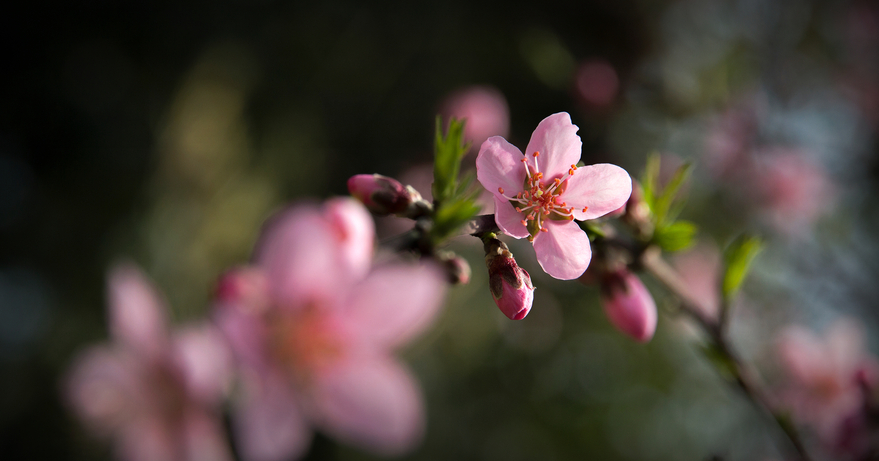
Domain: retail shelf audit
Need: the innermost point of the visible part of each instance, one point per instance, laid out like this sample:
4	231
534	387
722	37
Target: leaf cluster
669	233
454	196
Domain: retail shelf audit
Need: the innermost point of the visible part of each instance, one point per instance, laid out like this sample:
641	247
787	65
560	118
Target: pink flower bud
510	285
383	195
629	305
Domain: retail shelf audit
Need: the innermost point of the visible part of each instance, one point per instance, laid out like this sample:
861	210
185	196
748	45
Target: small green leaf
676	236
449	149
737	261
662	203
650	179
451	216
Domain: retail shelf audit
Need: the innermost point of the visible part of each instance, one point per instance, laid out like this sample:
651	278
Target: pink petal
602	188
564	252
137	313
104	388
371	402
354	231
204	360
146	439
300	256
499	165
508	219
268	423
204	438
393	304
556	139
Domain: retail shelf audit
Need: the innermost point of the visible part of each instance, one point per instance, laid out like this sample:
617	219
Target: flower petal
556	139
354	232
104	388
205	362
371	402
204	438
268	423
508	219
136	311
564	252
301	258
499	165
393	304
600	189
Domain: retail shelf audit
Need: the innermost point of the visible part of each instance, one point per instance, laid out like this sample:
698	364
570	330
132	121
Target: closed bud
510	285
457	269
629	305
383	195
637	213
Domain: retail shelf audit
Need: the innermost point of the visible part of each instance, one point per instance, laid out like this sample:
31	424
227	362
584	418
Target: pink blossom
485	110
700	269
597	82
313	326
629	305
155	393
792	191
826	377
540	194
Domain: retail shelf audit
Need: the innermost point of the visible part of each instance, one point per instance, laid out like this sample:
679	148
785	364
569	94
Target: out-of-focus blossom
510	285
597	82
313	329
156	393
485	110
826	379
792	192
727	142
383	195
700	270
628	304
540	194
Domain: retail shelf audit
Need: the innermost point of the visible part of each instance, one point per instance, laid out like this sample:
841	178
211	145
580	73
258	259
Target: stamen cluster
541	200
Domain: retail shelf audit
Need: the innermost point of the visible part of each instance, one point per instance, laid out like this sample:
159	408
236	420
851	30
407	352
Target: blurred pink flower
540	194
629	305
597	82
156	393
792	192
313	326
700	270
485	110
826	378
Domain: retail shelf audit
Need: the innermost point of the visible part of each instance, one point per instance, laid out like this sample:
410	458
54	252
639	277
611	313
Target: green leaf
737	261
451	216
650	179
663	201
449	149
676	236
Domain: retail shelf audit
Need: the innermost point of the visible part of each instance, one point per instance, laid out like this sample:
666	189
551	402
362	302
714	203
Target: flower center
305	341
541	200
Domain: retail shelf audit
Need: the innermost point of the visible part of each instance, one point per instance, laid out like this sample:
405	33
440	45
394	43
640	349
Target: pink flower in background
313	326
485	110
700	270
540	194
826	378
597	82
629	305
156	393
792	191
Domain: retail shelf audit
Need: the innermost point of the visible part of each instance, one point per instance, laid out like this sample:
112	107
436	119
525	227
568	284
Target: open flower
538	195
157	394
313	325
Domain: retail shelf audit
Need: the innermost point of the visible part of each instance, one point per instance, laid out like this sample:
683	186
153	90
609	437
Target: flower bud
637	213
629	305
383	195
457	269
510	285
